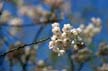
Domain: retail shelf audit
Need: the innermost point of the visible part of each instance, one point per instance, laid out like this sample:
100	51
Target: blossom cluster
61	41
104	67
21	54
36	13
71	37
103	49
93	28
41	66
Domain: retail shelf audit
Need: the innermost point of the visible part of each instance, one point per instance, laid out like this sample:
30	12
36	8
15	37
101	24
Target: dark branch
20	47
80	66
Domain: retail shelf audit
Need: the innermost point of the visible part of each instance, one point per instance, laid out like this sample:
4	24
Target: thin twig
42	27
24	64
71	63
20	47
69	54
80	66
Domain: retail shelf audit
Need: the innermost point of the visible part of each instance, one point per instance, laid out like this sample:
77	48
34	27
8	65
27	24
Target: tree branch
20	47
80	66
69	54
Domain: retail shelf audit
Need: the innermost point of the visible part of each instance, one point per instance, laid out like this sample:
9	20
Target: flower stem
80	66
70	59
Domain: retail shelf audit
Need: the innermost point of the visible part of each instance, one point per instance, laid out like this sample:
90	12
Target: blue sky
98	8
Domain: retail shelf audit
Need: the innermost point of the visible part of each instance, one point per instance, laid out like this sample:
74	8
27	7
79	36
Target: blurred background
26	21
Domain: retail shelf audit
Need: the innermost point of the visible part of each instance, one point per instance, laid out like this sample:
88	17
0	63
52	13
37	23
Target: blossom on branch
71	37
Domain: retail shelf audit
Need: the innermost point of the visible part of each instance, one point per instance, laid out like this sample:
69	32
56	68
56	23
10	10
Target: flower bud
55	25
56	30
66	28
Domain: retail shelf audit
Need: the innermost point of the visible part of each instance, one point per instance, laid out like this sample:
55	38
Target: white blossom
82	26
6	16
51	44
69	36
61	52
55	25
54	37
74	32
27	50
40	62
93	19
73	42
79	30
15	21
96	21
66	28
56	30
65	35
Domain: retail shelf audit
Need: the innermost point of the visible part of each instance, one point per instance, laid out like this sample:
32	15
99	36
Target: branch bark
20	47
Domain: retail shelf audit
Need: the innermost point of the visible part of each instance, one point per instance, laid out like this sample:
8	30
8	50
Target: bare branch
20	47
